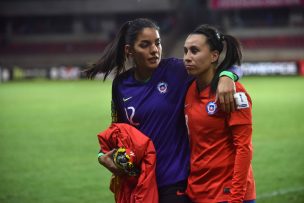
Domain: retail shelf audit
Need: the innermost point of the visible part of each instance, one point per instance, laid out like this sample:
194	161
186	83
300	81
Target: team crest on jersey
162	87
211	108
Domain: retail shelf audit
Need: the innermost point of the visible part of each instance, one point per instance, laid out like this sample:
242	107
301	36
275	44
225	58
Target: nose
187	57
154	49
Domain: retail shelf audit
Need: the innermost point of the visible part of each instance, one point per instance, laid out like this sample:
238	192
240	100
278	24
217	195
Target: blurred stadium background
50	115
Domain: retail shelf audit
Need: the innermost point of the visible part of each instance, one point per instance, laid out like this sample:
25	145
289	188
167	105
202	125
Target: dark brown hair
216	40
113	56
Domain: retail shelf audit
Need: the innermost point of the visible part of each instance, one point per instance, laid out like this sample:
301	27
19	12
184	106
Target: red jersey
221	148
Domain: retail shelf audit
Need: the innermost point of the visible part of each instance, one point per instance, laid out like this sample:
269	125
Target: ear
128	50
215	56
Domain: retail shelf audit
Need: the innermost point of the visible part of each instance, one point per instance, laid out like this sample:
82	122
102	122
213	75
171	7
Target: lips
189	67
153	59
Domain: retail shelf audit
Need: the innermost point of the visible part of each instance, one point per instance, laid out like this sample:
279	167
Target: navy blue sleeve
237	71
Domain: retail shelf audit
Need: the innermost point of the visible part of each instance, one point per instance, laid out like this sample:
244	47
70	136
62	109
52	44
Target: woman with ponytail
150	96
220	142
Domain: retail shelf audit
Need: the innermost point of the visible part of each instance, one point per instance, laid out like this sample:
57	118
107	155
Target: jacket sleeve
146	189
242	141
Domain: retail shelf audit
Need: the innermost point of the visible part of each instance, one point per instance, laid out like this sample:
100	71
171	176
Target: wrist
100	154
100	158
229	74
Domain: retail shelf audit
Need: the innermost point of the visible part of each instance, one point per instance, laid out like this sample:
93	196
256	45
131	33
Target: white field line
280	192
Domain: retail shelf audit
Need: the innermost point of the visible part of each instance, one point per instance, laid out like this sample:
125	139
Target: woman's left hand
224	94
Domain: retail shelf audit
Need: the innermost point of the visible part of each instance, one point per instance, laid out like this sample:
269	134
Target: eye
185	50
144	44
157	42
194	50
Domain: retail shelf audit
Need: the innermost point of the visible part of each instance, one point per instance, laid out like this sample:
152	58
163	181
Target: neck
205	78
143	74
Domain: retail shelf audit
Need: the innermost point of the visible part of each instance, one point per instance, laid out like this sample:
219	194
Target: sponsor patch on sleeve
241	100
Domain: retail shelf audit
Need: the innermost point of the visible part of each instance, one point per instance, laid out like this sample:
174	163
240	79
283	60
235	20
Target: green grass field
48	142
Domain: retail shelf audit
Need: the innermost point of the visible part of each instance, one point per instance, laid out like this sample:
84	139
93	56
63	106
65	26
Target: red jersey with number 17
221	148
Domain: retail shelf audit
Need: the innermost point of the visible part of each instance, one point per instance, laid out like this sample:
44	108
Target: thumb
110	153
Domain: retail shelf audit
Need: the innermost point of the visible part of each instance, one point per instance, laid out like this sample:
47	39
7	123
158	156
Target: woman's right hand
107	161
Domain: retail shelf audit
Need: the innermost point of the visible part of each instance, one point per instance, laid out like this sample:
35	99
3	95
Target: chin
153	66
191	73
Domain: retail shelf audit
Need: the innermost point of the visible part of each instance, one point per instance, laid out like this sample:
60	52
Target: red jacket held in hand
132	189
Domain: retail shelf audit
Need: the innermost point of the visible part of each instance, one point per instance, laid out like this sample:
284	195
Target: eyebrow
191	47
148	41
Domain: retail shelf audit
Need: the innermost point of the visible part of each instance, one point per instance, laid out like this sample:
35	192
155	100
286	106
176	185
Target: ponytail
112	57
233	57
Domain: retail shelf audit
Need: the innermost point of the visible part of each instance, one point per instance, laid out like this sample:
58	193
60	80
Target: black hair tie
218	35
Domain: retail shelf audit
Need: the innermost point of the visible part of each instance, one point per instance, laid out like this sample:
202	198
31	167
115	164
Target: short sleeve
243	113
237	71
